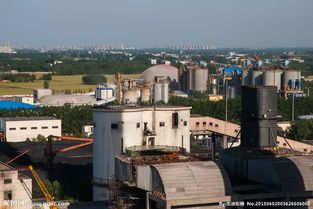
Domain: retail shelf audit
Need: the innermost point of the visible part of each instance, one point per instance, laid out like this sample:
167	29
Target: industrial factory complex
141	152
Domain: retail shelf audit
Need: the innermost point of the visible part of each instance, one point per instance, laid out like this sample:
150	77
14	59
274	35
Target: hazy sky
151	23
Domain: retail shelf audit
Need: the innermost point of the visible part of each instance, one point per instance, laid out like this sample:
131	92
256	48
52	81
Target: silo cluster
284	80
160	89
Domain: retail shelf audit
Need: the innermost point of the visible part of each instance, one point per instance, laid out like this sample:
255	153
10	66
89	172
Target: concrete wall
114	131
17	131
19	193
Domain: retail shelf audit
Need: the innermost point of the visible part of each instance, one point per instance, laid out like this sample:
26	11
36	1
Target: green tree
94	79
46	84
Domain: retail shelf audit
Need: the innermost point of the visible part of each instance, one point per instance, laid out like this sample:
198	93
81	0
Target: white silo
290	78
256	77
157	92
272	78
165	92
200	79
145	94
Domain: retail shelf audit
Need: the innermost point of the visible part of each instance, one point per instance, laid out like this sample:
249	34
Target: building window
204	123
33	128
175	120
162	124
216	125
197	123
185	123
7	195
211	124
55	127
12	129
114	126
44	127
138	125
7	181
23	128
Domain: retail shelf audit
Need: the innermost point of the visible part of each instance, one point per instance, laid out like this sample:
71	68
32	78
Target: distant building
215	98
153	61
14	188
7	49
25	99
38	93
17	129
87	130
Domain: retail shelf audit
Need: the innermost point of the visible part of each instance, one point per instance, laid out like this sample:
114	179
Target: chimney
258	116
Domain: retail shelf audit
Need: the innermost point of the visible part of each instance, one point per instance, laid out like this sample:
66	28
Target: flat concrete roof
123	108
29	118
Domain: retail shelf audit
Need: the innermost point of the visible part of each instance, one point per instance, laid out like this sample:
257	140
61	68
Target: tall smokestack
258	116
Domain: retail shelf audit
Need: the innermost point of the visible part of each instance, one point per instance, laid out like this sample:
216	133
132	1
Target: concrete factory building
120	129
17	129
15	188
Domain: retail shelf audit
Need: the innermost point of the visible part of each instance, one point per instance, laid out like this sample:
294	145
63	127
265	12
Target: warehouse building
15	188
17	129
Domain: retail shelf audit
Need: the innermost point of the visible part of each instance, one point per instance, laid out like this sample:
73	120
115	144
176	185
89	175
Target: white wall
18	191
19	134
108	141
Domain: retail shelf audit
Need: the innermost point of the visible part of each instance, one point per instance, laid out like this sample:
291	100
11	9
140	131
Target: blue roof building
7	104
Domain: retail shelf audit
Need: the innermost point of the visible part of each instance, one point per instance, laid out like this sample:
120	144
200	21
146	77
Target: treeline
300	129
209	108
73	118
75	63
17	77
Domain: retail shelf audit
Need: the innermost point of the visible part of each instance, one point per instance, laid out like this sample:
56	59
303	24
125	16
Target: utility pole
293	107
225	144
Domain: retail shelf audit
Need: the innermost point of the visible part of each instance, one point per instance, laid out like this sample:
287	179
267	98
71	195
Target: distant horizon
158	24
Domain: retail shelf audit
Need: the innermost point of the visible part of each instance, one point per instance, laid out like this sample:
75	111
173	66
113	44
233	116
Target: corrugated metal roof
6	104
295	172
191	180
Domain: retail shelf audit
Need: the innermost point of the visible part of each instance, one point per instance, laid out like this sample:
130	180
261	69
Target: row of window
33	128
204	123
162	124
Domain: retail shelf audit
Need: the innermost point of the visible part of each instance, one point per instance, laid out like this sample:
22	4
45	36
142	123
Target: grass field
58	83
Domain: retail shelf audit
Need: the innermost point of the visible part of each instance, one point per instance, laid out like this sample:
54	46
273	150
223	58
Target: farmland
58	84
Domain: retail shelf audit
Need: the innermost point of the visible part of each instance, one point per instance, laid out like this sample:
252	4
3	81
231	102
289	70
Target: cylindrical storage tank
290	77
145	94
157	92
259	116
232	92
245	78
200	79
256	77
272	78
130	96
214	86
165	92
